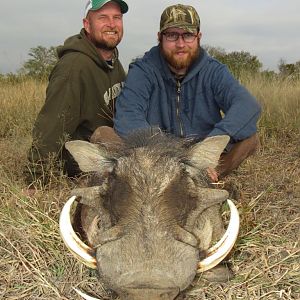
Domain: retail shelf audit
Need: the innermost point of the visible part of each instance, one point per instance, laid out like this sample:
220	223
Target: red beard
181	62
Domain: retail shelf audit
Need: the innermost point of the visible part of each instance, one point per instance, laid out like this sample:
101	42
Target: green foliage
216	52
238	62
41	62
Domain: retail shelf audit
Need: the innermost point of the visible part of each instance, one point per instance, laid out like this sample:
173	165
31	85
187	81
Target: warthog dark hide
149	212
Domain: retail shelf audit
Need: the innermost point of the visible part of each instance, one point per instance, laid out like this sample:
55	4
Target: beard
105	44
179	63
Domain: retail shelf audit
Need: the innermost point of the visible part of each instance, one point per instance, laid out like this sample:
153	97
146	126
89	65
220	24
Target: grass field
34	263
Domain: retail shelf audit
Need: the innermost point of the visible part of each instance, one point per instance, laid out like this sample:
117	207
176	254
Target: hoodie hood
80	43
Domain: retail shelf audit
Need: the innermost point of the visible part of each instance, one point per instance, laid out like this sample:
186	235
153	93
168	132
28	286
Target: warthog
150	214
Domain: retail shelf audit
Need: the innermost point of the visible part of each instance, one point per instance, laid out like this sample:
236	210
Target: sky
268	29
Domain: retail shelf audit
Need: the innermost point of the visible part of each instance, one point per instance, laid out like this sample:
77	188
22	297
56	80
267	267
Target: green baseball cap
97	4
180	16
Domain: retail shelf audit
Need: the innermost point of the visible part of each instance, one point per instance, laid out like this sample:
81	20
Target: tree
289	70
243	62
41	62
216	52
238	62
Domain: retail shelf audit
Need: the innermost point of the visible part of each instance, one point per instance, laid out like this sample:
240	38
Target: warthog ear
206	154
90	157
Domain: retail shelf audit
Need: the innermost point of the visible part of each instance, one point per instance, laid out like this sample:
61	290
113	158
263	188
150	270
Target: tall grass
280	100
20	102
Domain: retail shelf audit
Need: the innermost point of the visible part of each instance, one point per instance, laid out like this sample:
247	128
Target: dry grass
34	263
280	99
19	104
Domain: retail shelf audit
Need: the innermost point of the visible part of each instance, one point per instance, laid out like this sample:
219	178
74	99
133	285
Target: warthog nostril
142	293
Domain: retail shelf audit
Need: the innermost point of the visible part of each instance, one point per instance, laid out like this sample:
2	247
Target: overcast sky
268	29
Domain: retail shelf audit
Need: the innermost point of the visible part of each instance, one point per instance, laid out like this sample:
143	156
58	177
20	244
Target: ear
89	156
199	35
86	25
206	154
158	36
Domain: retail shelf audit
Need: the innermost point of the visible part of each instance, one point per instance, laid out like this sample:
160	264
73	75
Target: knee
252	143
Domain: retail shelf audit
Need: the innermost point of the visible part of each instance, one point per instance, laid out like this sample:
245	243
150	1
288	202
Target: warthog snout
149	294
148	284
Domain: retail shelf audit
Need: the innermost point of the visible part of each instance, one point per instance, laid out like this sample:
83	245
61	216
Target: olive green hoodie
79	98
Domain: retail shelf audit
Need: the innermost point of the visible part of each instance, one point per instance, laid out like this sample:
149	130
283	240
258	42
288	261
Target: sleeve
133	101
241	110
59	116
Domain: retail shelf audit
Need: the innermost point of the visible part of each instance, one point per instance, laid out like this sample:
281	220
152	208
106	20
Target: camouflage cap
180	16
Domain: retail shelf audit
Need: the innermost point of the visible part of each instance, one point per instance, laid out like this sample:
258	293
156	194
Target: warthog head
150	214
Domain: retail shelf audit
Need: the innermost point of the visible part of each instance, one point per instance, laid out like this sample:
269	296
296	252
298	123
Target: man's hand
105	134
213	174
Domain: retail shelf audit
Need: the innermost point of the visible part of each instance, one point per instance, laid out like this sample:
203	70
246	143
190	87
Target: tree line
42	60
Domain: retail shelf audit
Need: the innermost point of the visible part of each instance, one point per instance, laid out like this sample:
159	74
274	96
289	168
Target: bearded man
177	87
82	89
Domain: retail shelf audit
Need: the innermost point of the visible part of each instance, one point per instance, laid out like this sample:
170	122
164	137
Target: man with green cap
177	87
82	88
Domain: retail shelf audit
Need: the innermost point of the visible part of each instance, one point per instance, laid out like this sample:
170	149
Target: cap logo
181	16
177	15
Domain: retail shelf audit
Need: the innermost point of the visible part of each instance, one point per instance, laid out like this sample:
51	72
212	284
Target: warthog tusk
81	251
220	250
83	295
